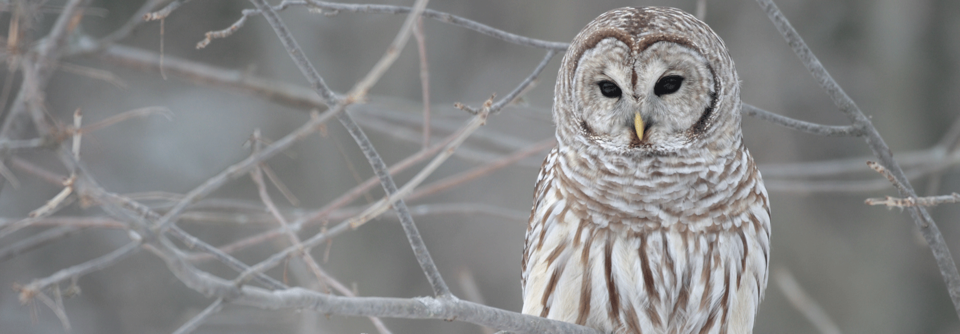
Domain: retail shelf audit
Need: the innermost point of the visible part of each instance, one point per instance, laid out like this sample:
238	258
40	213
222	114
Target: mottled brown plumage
650	215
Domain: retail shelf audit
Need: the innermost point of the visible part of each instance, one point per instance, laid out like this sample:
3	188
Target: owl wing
535	223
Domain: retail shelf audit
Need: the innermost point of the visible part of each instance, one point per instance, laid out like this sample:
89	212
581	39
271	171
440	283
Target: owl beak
638	125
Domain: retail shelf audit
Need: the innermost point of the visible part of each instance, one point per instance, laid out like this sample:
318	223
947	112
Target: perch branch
415	308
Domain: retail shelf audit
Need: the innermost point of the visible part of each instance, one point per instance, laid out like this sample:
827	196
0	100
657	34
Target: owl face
667	86
636	80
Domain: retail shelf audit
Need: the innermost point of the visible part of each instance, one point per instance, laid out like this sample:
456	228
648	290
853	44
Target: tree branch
416	308
914	201
817	129
948	268
27	292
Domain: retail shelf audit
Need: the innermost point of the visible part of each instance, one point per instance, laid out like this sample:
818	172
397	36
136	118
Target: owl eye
609	89
668	85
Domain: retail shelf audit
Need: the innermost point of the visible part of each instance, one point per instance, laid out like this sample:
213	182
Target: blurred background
866	266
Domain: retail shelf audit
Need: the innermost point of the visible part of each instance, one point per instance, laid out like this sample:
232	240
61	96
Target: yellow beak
638	125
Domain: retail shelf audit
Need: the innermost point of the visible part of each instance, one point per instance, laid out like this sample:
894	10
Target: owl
650	215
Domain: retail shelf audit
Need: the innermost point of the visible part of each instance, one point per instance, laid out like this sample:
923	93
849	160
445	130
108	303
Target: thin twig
8	175
57	307
242	167
31	168
333	8
140	112
460	178
257	175
424	79
93	73
277	182
915	201
322	277
471	291
37	240
163	13
27	292
295	96
701	12
299	57
941	253
817	129
357	191
344	199
36	74
415	308
803	303
125	208
224	33
197	320
440	288
394	197
360	89
127	28
529	80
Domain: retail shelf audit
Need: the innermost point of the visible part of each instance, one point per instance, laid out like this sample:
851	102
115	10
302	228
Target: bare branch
817	129
26	244
299	57
163	13
529	80
36	74
701	12
803	303
395	196
359	91
472	292
93	73
224	33
454	180
424	79
916	201
325	211
334	8
245	166
127	28
8	175
295	96
6	144
57	307
322	277
406	221
27	292
416	308
197	320
140	112
948	268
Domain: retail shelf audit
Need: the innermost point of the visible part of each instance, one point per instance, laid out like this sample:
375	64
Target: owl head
642	81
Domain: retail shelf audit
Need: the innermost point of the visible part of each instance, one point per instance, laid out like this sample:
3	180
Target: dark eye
668	85
609	89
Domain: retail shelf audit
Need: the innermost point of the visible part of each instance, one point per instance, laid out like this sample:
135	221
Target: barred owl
650	215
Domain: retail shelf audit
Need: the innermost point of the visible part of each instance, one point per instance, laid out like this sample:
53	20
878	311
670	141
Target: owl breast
669	257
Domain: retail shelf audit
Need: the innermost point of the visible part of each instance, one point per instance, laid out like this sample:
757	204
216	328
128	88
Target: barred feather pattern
661	237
